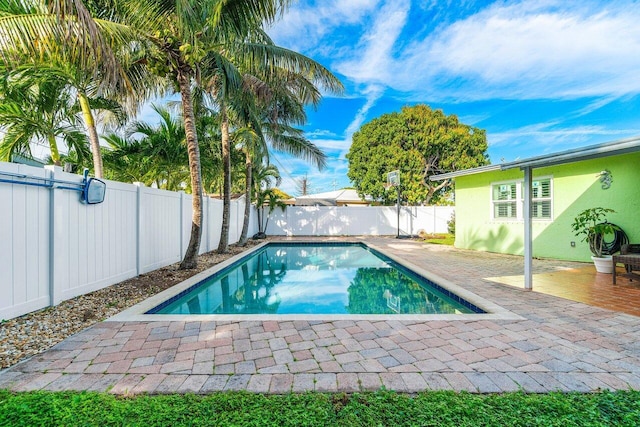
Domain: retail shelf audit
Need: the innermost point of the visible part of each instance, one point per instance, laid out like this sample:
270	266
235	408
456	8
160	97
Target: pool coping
137	312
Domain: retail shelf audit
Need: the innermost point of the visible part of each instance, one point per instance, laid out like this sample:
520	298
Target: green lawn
439	239
314	409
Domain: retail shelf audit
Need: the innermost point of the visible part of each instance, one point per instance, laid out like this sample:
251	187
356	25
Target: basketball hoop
393	178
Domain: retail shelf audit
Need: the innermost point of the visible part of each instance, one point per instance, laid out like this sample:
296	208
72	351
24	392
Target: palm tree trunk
93	134
223	246
191	256
247	196
53	147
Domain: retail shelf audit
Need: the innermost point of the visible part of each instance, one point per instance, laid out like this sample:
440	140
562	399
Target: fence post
206	225
52	232
139	189
181	225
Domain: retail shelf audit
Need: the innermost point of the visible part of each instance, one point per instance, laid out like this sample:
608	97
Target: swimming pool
315	278
149	309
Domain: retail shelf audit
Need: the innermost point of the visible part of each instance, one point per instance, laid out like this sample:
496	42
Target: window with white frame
541	198
507	199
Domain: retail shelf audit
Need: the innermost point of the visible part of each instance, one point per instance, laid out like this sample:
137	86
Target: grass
382	408
439	239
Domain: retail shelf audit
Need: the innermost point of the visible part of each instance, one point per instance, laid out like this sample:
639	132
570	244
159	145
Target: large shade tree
419	142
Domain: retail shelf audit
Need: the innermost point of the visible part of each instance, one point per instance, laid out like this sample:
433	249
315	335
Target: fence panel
24	244
159	228
358	220
215	221
94	245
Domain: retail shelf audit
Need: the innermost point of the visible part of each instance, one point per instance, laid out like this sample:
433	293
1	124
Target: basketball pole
398	210
393	180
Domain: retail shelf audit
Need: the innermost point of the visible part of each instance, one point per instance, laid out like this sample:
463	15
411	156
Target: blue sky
539	76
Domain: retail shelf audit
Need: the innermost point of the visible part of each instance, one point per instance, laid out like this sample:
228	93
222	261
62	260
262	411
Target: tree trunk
247	195
223	246
191	256
93	134
53	147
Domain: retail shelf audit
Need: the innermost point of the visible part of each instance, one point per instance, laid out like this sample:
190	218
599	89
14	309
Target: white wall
358	220
53	247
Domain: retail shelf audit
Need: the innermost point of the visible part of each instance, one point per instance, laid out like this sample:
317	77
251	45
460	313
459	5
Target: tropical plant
66	40
266	198
164	149
126	160
41	111
203	42
270	104
592	225
269	100
208	42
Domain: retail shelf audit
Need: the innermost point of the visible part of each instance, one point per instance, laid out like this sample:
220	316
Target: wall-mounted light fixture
605	179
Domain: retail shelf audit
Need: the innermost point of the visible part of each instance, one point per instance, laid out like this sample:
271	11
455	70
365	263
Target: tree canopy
419	142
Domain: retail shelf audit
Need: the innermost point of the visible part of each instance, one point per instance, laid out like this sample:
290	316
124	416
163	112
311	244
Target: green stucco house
491	201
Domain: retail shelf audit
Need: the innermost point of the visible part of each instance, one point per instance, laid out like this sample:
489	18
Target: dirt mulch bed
36	332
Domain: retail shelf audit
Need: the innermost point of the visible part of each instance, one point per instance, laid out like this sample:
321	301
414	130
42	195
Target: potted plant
592	225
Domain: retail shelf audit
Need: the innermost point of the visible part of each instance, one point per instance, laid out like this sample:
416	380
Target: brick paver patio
559	345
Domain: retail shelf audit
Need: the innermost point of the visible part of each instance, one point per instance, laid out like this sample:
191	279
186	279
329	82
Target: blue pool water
303	278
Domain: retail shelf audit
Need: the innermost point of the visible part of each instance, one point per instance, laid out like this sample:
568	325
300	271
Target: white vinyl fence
358	220
53	247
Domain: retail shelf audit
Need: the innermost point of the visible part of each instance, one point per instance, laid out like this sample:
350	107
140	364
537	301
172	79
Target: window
541	198
507	199
505	203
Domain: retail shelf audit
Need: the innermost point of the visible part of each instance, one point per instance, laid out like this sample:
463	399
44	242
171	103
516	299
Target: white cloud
320	133
373	93
305	27
374	51
528	50
551	137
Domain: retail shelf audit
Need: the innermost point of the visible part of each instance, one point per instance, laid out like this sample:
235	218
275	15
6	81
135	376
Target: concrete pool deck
557	344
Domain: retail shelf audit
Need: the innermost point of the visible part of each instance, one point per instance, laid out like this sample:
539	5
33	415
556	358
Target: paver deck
559	345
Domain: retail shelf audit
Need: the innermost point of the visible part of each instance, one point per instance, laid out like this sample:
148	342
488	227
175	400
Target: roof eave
623	146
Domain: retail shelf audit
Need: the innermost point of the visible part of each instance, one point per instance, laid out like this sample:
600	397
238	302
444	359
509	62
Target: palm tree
200	40
188	41
275	102
126	160
276	64
269	198
42	37
164	148
40	111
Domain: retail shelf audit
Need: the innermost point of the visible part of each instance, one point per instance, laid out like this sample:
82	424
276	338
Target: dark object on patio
630	257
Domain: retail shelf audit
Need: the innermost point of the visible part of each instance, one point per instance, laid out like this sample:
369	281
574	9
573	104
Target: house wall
576	187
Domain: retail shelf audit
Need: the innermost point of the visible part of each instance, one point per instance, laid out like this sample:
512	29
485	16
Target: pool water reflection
285	278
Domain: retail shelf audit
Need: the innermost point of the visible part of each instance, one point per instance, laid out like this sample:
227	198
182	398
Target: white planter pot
603	264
